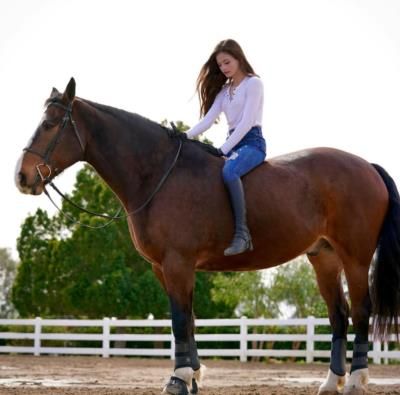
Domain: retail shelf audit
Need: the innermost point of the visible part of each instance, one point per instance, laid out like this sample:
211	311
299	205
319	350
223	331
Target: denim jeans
253	137
240	161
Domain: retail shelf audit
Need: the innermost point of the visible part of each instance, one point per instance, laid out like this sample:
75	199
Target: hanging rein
47	179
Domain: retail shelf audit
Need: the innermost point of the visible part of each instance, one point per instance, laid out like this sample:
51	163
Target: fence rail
245	343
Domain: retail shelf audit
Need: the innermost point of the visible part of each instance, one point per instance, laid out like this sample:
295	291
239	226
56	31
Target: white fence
245	340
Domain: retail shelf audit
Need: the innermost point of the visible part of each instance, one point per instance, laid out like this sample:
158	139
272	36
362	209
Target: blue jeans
253	137
240	161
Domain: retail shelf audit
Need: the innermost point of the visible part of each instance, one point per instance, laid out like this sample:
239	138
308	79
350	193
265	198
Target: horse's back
312	193
326	168
319	192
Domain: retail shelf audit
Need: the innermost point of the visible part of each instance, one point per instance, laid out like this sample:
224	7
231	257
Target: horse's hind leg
328	268
357	279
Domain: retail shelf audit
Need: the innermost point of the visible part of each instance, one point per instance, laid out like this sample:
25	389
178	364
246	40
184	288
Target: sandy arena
130	376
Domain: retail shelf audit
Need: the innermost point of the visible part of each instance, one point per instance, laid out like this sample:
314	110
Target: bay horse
331	205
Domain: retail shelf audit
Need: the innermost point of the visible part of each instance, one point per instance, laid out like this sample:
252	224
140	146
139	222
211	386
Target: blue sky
331	70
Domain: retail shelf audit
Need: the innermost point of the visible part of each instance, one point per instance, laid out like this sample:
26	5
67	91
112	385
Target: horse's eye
46	125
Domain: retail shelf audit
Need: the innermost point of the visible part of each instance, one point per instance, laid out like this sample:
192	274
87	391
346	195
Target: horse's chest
144	243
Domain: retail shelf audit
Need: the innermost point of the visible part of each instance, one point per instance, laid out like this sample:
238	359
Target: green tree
8	268
294	286
205	306
67	270
182	127
36	244
246	292
291	287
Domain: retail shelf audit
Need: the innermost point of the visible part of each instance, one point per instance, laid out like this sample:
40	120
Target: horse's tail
385	287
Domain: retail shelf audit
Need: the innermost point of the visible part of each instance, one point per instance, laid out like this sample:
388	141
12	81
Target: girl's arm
209	118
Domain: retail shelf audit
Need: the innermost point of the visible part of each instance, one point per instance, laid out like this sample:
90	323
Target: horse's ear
69	92
54	93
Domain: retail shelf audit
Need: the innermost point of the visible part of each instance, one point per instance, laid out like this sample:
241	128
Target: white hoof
185	374
332	384
357	383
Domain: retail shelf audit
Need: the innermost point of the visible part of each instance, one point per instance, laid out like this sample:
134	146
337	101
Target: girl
227	83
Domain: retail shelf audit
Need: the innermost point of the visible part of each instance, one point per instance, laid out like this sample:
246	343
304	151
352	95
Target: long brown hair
211	79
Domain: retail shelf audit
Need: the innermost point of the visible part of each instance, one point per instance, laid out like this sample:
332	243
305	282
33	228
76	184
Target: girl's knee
229	175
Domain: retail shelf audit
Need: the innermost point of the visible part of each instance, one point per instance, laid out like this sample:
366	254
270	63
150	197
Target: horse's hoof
198	376
357	383
352	390
176	386
332	385
195	388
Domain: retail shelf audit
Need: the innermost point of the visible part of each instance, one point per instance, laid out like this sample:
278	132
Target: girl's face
228	65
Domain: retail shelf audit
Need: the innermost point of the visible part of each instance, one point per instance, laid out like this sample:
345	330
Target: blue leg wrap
181	328
182	355
360	355
193	354
338	356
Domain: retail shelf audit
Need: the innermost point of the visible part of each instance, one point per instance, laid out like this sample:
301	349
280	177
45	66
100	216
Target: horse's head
55	145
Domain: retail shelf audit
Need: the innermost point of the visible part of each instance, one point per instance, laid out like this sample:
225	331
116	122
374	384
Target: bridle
47	179
53	143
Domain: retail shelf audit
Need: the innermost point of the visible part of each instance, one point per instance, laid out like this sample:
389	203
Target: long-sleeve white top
243	109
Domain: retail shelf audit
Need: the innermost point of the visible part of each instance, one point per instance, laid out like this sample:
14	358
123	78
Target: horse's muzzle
23	186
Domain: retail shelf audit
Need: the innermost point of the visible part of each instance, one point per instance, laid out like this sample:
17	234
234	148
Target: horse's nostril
22	179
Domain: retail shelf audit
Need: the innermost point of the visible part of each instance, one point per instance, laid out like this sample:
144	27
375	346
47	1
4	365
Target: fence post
310	339
243	339
377	347
385	349
106	337
37	341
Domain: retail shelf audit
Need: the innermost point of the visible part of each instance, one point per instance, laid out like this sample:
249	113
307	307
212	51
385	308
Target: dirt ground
60	375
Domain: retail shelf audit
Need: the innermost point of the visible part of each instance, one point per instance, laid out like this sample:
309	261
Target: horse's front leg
199	369
178	275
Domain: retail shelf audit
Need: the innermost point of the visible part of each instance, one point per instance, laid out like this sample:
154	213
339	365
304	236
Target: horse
329	204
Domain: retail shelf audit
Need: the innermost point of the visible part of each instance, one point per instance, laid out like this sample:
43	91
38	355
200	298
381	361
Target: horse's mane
176	134
171	132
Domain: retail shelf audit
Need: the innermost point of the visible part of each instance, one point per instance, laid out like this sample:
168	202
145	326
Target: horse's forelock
54	99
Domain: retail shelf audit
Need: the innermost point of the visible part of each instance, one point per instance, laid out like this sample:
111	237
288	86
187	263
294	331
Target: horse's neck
129	157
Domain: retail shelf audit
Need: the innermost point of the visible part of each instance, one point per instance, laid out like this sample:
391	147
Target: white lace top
242	106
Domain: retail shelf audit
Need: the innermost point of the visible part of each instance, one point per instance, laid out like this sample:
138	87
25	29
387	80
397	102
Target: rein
46	179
